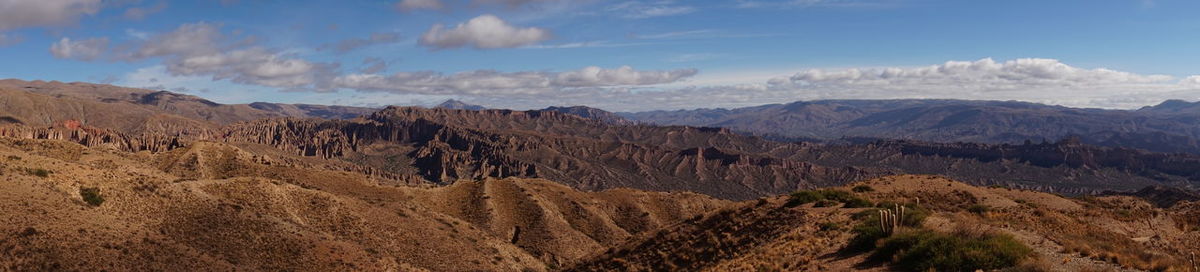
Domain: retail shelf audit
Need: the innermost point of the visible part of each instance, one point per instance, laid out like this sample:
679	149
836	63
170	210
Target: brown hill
137	111
440	146
1090	234
211	205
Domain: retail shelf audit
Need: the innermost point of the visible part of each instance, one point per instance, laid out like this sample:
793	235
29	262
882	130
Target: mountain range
1168	127
119	178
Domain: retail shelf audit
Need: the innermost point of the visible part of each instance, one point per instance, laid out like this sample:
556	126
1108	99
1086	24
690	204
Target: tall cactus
891	219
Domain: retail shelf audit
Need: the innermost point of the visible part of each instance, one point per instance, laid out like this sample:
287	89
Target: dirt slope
1094	234
217	207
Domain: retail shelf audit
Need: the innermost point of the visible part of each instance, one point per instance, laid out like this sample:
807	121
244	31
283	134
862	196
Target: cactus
891	219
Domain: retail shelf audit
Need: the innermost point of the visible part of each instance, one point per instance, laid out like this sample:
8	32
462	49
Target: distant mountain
1173	126
592	113
1173	106
458	105
132	110
573	146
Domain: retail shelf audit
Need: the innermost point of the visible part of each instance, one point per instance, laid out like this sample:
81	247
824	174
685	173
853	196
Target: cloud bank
33	13
1034	80
516	84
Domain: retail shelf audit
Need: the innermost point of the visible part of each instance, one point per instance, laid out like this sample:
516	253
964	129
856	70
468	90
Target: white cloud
33	13
483	32
493	83
1033	80
356	43
201	49
641	10
410	5
88	49
1192	81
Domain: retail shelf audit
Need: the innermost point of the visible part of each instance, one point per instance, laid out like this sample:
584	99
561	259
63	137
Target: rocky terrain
105	178
440	146
1112	233
1169	127
215	206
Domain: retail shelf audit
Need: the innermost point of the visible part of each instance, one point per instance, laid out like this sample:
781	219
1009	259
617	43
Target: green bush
927	250
868	232
91	195
866	235
858	203
862	189
826	198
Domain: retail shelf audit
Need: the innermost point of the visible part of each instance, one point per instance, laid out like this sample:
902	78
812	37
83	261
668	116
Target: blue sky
617	55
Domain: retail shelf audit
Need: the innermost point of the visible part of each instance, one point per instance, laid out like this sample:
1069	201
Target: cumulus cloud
483	32
202	49
28	13
493	83
88	49
411	5
356	43
641	10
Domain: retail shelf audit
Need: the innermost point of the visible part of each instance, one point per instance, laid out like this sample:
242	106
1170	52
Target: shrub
826	198
828	226
979	209
862	189
91	195
825	203
866	235
38	172
927	250
868	232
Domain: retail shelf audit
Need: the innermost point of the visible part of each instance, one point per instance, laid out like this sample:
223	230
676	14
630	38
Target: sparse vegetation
92	196
862	189
924	250
827	198
38	172
868	232
979	209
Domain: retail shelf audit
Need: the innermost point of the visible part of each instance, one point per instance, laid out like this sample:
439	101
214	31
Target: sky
614	55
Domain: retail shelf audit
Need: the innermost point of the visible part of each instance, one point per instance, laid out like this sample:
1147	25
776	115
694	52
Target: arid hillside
214	206
816	231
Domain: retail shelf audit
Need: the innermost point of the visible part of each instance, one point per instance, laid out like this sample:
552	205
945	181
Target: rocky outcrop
95	137
592	113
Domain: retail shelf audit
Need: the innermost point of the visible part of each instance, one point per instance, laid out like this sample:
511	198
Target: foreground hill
1112	233
1170	127
212	206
